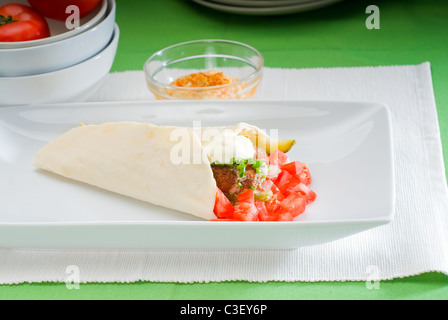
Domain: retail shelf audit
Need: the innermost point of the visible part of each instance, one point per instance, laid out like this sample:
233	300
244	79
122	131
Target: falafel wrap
173	167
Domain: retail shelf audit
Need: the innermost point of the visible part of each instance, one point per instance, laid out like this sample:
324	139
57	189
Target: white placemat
416	242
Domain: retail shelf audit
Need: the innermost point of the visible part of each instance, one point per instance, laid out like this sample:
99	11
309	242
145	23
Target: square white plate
348	147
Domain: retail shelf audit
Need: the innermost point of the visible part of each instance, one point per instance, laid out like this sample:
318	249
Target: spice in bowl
216	85
204	69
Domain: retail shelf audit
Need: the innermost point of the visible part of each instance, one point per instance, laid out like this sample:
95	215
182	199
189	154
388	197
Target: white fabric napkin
416	242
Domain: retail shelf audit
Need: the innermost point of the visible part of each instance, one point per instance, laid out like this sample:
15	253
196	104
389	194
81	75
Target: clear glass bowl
240	63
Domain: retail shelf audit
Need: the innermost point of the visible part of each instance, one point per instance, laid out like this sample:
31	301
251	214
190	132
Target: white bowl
57	28
71	84
61	54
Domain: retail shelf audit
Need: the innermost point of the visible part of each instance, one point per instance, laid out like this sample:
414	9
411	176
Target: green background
412	32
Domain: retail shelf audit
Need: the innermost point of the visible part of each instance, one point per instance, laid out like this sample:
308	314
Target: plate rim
277	10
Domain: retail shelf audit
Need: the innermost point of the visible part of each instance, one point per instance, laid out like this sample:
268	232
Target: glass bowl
237	66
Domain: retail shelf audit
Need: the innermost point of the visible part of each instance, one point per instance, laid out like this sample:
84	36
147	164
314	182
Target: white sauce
225	147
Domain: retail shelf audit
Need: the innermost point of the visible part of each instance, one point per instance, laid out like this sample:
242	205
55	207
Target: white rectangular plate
347	146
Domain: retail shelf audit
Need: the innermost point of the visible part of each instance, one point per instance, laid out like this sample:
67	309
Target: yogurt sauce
227	147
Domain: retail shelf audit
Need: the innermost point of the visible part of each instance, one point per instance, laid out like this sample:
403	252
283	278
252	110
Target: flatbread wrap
212	172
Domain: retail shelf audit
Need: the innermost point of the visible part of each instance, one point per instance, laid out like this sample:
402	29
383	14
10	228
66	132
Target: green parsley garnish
257	165
241	169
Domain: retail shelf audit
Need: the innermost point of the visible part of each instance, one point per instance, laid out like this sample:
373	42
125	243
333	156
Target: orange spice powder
201	79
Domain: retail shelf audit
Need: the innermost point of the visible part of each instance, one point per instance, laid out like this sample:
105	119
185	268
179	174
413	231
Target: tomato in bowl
19	22
61	30
57	9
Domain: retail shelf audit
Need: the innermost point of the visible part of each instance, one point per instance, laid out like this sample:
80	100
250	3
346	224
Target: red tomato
247	196
273	204
223	207
293	205
294	168
299	170
273	172
246	211
303	190
276	210
286	181
278	158
21	23
276	192
56	9
266	185
263	214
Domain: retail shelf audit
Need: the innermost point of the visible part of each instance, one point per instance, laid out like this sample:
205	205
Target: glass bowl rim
258	71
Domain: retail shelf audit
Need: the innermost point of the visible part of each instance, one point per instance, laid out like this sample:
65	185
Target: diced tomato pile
289	186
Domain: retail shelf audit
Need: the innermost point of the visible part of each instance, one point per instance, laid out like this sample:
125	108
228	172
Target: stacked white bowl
65	67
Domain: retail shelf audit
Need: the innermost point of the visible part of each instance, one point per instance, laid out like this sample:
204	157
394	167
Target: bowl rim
251	76
103	12
110	10
115	37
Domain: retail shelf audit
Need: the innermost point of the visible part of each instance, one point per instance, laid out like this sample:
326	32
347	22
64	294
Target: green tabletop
410	32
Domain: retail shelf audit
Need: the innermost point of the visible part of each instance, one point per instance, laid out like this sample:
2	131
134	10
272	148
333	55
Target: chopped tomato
276	198
261	206
299	170
294	168
274	203
276	192
278	158
272	211
303	190
223	207
284	215
246	211
305	177
266	185
273	172
294	205
275	211
263	213
247	196
286	181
